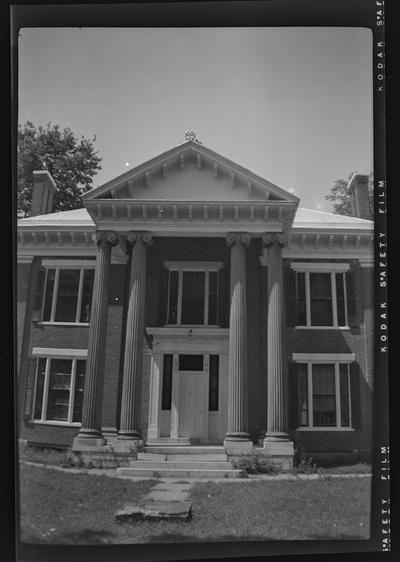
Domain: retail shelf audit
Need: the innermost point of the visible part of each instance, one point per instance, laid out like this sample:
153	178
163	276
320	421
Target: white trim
334	299
327	428
24	259
323	267
194	265
50	323
57	352
56	422
325	253
175	331
323	357
322	328
71	264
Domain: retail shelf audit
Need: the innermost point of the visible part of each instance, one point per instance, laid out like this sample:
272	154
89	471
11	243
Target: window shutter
353	288
293	416
291	301
38	299
163	296
223	298
355	395
30	381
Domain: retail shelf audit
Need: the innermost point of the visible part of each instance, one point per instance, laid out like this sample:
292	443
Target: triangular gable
188	172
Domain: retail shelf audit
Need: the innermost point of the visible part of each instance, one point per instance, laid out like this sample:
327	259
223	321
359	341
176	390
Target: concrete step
183	450
177	473
200	464
208	457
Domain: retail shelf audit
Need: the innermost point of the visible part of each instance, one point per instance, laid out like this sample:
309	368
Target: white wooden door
193	412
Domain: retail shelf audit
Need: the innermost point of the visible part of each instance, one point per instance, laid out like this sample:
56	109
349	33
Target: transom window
320	294
58	389
193	293
323	395
68	293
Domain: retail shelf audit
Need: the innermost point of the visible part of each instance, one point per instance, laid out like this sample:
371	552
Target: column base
87	443
237	446
278	445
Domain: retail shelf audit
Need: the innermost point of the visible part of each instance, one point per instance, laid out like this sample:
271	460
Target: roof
304	218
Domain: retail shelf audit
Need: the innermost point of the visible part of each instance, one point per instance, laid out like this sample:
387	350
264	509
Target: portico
198	380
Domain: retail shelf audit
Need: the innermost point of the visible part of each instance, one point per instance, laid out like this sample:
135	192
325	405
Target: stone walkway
167	500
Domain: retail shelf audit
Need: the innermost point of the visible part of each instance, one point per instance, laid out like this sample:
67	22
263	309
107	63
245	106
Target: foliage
254	463
302	463
72	163
341	199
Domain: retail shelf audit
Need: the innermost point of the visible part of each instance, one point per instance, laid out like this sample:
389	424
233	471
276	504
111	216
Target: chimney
43	192
359	196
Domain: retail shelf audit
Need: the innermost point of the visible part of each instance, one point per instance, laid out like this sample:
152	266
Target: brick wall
357	340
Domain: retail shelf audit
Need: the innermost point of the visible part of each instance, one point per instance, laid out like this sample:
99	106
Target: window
323	394
58	389
166	397
193	293
213	389
68	293
319	294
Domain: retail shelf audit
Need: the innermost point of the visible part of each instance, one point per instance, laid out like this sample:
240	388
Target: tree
72	163
341	198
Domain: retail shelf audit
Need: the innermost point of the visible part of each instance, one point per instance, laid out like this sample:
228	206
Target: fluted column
93	390
129	423
277	423
237	436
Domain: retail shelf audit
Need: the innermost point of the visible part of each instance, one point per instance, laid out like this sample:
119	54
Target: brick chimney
43	192
359	197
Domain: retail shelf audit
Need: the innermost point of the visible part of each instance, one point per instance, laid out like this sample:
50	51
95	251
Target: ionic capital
107	236
235	237
133	236
271	237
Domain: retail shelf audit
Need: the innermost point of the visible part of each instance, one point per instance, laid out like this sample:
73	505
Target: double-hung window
68	291
59	384
320	294
323	392
193	289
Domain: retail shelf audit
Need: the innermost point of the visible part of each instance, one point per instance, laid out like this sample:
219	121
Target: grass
45	456
63	508
59	507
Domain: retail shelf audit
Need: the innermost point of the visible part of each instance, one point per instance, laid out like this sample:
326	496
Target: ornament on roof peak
190	135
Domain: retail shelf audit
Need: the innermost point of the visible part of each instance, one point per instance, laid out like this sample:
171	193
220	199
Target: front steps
181	462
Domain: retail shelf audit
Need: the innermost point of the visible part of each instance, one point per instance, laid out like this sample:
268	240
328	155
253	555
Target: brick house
193	302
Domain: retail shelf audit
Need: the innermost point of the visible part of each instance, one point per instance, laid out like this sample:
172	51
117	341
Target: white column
129	422
174	434
237	438
276	439
90	432
153	432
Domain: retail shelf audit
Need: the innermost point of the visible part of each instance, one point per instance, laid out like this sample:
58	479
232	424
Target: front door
193	385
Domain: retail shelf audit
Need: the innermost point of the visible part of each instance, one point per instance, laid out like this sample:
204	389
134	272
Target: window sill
75	324
325	429
345	328
56	423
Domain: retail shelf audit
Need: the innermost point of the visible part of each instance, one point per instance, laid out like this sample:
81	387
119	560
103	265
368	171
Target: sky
293	105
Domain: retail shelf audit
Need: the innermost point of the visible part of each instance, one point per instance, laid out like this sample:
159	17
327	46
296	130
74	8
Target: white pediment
189	172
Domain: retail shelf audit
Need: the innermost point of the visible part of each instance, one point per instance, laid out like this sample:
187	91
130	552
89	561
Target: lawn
58	507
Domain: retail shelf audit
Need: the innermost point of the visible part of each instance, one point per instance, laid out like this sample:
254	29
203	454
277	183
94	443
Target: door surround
176	341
